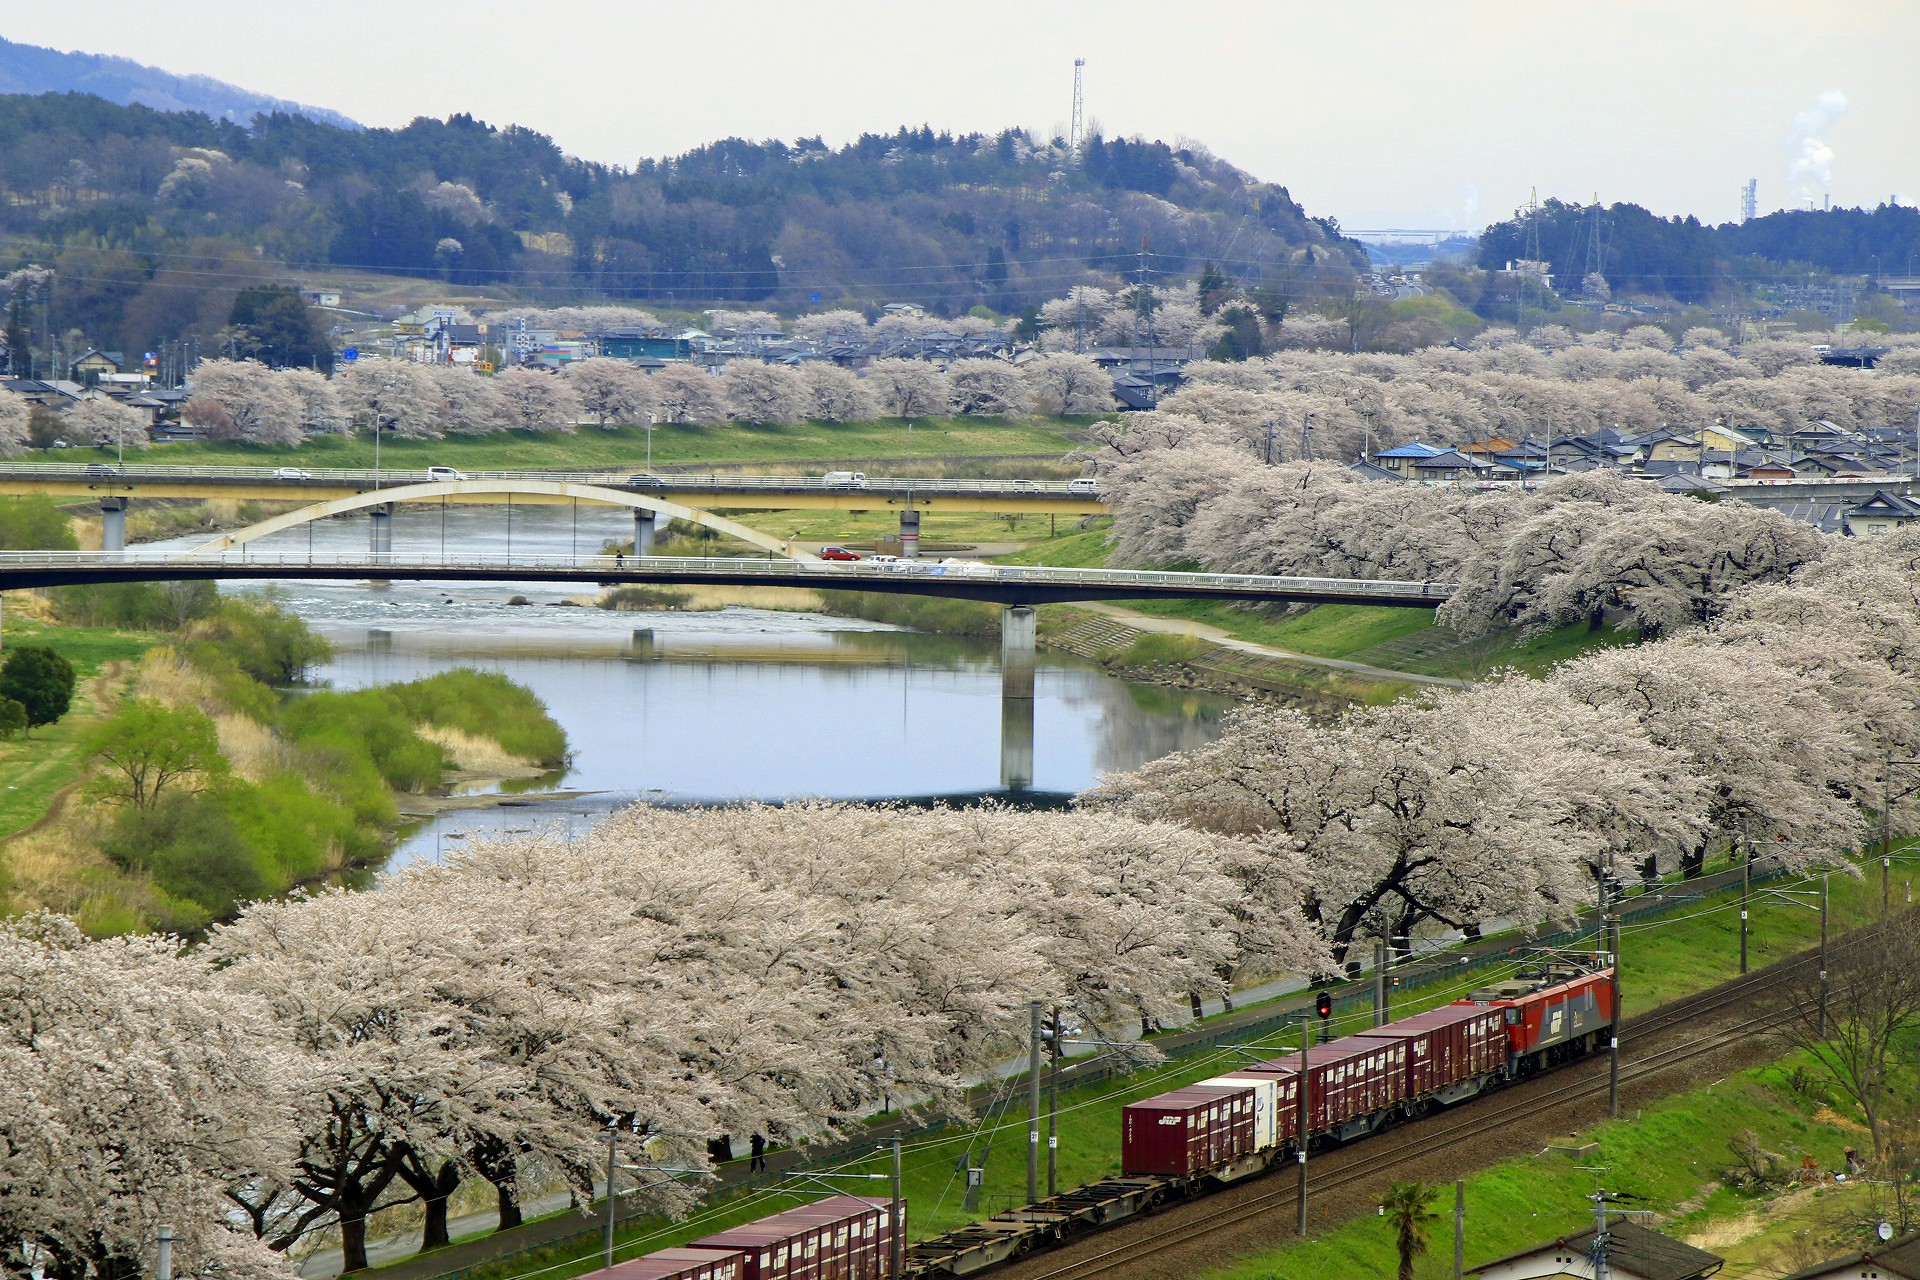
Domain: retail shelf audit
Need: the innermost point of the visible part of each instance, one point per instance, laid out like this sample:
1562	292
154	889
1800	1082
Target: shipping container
1349	1080
839	1238
1445	1046
1266	1105
681	1264
1187	1131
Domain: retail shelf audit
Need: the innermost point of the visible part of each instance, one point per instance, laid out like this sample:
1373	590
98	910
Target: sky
1382	113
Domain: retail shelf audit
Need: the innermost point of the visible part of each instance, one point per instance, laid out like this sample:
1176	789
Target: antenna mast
1749	199
1076	130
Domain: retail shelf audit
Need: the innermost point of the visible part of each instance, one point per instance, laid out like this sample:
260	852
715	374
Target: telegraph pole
1053	1106
1300	1135
1033	1102
897	1238
1459	1228
613	1152
1613	1060
1380	982
1823	955
1746	889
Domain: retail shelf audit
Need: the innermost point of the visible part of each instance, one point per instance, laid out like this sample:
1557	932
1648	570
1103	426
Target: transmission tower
1749	200
1596	263
1079	113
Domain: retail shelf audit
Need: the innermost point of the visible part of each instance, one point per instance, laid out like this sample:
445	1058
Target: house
1895	1260
1401	458
638	344
1882	513
1449	466
1368	471
91	366
1633	1253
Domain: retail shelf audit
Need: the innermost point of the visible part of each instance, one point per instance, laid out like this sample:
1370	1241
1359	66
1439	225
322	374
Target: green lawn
34	770
730	444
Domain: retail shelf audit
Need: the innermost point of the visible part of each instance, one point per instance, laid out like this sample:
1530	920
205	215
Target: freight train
1193	1139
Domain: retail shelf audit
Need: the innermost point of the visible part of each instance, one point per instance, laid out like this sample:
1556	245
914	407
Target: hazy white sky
1379	112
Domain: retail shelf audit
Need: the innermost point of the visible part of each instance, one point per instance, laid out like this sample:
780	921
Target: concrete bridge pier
643	527
909	535
113	524
1018	633
380	533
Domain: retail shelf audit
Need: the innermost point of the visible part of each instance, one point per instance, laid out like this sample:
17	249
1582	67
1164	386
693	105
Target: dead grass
252	749
170	680
474	754
57	867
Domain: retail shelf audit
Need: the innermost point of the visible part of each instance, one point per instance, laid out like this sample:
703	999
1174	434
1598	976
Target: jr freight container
840	1238
682	1264
1351	1082
1187	1131
1445	1047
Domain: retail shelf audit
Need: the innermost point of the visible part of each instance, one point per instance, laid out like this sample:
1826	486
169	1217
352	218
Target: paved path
1214	635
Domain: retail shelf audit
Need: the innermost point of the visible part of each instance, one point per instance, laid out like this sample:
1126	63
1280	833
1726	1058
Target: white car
291	473
445	473
1083	484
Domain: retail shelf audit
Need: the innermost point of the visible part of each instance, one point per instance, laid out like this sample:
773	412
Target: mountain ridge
36	69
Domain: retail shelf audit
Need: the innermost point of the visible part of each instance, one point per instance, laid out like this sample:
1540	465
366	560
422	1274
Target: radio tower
1749	199
1079	112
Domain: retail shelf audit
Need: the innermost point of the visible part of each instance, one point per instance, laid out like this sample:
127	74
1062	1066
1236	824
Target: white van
844	480
1083	484
444	473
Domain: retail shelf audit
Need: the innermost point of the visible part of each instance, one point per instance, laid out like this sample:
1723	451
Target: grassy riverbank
1691	947
729	443
190	777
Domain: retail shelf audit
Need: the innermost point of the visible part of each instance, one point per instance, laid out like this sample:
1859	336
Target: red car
837	553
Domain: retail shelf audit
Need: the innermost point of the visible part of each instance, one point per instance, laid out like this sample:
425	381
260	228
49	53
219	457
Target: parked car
100	469
837	553
291	473
445	473
1083	484
844	480
645	481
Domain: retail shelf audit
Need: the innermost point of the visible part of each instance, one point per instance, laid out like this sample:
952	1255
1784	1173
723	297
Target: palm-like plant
1408	1209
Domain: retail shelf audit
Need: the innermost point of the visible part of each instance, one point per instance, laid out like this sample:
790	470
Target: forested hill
949	221
30	68
1644	255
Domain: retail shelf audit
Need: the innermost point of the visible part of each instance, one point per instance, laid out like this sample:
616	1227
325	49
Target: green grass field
1691	948
34	770
729	444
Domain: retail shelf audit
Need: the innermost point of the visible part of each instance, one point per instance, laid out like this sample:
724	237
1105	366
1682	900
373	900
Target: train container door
1412	1059
1266	1098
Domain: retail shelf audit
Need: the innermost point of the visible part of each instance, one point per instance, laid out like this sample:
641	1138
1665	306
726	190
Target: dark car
100	469
837	553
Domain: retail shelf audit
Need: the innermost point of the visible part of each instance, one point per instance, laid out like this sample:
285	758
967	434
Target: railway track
1365	1162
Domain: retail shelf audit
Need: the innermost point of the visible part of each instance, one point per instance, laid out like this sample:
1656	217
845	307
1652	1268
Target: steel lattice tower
1079	112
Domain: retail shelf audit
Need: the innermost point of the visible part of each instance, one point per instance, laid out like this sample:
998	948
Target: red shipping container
681	1264
1187	1131
1347	1078
1444	1046
839	1238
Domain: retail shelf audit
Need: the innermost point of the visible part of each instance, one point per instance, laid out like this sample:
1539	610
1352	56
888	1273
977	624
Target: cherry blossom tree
837	395
822	326
392	395
907	388
14	412
613	391
687	393
757	392
102	421
537	401
137	1092
1068	385
319	406
991	388
472	403
265	407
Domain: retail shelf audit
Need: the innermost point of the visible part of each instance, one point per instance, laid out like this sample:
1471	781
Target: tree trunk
353	1234
509	1207
1693	862
1199	1009
434	1231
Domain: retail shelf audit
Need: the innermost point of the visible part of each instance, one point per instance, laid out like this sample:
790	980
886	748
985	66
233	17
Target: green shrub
190	847
487	705
295	831
13	718
643	599
921	613
265	641
368	723
1157	649
40	680
34	524
142	606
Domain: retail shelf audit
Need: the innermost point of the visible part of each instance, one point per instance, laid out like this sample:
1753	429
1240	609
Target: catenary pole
1300	1134
1033	1102
613	1154
897	1237
1053	1106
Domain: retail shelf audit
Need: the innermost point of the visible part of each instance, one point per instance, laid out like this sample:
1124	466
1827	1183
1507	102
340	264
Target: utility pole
1459	1228
1300	1135
1053	1106
1380	981
1033	1102
1613	1060
163	1262
1823	955
1746	890
613	1151
897	1237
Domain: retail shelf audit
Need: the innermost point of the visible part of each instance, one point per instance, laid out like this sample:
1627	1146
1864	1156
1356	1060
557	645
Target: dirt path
1214	635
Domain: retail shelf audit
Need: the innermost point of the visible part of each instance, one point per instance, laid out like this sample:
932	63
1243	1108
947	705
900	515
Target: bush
369	725
40	680
190	847
263	640
487	705
144	606
1158	650
34	524
299	833
13	718
921	613
643	599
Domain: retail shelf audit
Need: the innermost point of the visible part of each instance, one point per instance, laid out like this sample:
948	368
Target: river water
714	706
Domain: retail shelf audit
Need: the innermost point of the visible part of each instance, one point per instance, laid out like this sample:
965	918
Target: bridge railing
615	477
829	573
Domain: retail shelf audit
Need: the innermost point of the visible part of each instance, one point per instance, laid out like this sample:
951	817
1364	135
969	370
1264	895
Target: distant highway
715	491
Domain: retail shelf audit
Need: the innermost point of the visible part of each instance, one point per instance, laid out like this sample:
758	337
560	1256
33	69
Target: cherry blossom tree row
673	974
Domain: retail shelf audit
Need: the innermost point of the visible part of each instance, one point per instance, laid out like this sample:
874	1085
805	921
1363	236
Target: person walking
758	1146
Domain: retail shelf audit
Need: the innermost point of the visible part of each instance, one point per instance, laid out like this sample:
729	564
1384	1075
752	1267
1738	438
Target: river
714	706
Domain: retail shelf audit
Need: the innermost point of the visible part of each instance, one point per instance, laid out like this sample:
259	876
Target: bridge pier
380	535
644	522
113	524
1018	632
909	535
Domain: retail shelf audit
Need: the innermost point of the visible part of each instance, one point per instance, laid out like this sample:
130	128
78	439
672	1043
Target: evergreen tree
40	680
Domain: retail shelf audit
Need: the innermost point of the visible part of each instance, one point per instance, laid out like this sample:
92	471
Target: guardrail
613	477
838	572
